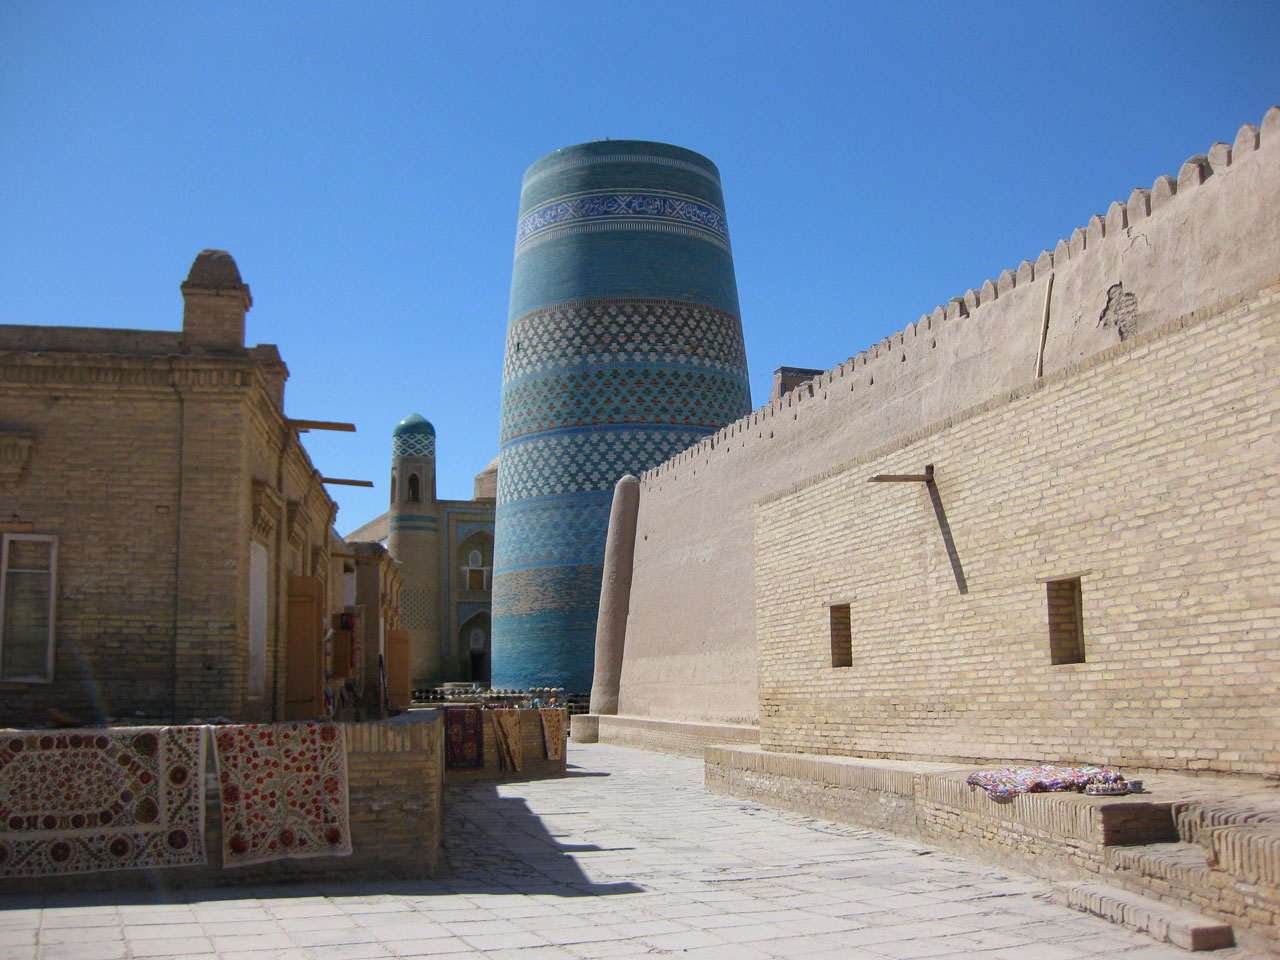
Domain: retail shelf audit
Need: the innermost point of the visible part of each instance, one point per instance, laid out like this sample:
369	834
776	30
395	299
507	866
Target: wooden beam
302	425
347	483
926	477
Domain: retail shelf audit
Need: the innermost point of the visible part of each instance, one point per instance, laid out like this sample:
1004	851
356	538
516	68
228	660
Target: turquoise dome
415	424
414	436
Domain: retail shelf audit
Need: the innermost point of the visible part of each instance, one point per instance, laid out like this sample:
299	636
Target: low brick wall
1207	845
533	759
394	775
660	736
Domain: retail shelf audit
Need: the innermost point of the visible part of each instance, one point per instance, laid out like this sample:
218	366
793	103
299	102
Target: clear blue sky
362	163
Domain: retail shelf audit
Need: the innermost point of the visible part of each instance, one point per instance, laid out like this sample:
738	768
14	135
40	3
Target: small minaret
413	539
215	301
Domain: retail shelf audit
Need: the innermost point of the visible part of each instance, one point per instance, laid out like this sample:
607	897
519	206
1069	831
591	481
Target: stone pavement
628	856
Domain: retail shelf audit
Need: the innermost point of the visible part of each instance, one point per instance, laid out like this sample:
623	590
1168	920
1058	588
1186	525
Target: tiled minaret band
624	346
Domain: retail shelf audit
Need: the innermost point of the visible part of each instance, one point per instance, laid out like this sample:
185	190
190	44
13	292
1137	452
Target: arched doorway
473	641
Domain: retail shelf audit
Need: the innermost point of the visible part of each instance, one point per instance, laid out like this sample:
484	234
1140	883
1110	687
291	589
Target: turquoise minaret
624	347
413	539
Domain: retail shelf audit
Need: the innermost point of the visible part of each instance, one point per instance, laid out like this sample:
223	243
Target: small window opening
414	488
841	636
393	488
1066	621
474	559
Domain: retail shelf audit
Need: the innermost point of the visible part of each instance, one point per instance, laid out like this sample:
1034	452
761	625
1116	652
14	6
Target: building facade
624	346
163	528
444	549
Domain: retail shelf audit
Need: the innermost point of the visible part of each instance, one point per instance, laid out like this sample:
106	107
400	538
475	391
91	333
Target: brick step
1182	866
1183	928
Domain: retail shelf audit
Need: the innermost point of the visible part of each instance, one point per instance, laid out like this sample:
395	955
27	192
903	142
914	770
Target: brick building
163	528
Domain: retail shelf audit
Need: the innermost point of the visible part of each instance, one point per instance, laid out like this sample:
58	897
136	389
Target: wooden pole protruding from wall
615	595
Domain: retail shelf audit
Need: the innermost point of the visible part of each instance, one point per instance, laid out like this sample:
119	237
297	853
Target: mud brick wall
1145	472
1194	238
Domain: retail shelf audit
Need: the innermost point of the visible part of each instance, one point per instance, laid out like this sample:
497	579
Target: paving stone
681	872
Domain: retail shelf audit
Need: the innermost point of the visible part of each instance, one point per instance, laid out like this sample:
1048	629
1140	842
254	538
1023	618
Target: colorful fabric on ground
284	791
506	729
463	738
1010	781
78	801
553	724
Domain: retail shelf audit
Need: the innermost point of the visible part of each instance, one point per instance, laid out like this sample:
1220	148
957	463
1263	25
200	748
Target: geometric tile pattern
418	609
591	333
576	461
610	210
413	445
609	395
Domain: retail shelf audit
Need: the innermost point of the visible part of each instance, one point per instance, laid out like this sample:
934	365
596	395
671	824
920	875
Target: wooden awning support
926	477
302	426
347	483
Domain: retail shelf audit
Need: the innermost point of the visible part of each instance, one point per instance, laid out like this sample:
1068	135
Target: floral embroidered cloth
1010	781
553	724
284	791
77	801
463	738
506	729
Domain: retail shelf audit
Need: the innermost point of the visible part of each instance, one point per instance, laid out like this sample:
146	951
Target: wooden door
304	654
399	682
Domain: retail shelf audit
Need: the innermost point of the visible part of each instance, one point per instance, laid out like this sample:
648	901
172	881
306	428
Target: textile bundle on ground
463	738
77	801
1009	781
506	729
553	724
284	791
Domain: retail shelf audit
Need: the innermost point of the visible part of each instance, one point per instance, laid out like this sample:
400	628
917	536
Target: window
1066	621
477	638
28	588
841	636
415	489
474	559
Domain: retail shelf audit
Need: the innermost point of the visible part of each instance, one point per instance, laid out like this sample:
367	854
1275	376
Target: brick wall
1188	242
1145	472
145	468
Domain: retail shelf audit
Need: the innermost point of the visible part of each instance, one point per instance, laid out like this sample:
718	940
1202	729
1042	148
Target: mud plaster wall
1189	241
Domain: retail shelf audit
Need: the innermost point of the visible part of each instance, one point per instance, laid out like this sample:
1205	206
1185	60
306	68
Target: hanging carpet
506	729
284	791
463	738
553	724
79	801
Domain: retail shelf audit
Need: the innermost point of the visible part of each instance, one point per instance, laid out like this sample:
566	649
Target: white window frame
52	540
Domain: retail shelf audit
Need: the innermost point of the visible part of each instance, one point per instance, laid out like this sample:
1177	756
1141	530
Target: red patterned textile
506	729
78	801
463	738
553	724
284	791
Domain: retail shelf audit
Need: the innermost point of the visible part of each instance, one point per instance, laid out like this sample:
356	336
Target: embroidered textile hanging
463	738
553	724
284	791
506	729
78	801
1010	781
